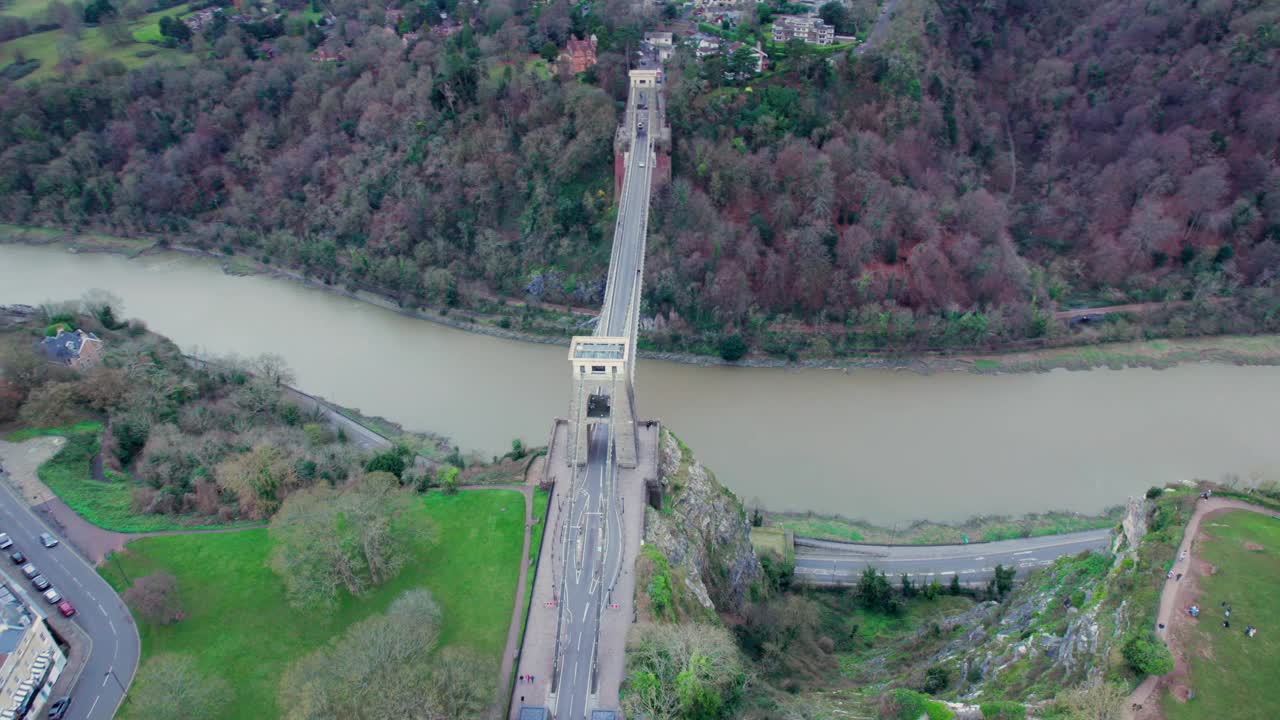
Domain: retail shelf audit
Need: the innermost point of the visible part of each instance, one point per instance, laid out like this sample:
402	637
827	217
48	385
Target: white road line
102	610
105	678
1024	552
93	705
112	625
584	612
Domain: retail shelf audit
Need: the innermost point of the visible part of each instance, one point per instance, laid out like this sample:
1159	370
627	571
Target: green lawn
29	9
94	45
239	625
1233	676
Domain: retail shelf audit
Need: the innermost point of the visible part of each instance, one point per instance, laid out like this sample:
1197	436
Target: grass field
1233	676
29	9
239	625
94	45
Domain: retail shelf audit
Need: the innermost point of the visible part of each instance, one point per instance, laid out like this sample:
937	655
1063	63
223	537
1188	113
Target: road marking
102	610
93	705
105	678
112	625
1024	552
584	612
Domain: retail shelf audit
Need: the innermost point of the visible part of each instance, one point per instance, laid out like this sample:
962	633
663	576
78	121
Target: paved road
819	561
633	220
592	531
114	657
591	561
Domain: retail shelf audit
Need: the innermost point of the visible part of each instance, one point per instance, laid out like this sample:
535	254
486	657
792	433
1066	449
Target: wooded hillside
983	167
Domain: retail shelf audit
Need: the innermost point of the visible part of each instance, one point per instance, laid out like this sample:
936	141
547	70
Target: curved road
822	562
113	659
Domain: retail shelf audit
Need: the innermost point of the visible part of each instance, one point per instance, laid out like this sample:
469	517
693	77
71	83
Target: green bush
1154	492
910	705
733	348
936	679
1003	710
390	461
1147	655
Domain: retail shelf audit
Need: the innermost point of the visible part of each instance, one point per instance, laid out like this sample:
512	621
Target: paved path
517	608
823	562
1147	694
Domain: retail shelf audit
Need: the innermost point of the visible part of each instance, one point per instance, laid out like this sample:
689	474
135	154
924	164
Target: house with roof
662	42
580	54
77	350
30	660
809	29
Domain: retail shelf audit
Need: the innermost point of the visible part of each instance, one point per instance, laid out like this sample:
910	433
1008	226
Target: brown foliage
155	598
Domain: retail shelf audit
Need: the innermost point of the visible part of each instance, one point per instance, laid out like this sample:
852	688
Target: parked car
6	542
48	540
66	608
52	596
58	709
30	570
41	582
17	557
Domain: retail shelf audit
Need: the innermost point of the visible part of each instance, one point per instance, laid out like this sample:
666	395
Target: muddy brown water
884	445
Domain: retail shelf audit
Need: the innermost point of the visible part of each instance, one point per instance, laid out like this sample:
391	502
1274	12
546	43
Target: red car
66	608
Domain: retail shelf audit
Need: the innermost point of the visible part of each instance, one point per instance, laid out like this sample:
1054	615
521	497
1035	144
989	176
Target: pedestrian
1226	623
1227	613
1169	575
1179	576
521	698
1161	626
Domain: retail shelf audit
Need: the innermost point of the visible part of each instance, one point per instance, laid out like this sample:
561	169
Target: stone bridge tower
602	393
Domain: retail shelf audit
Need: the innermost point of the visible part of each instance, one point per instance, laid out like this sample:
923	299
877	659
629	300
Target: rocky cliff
703	532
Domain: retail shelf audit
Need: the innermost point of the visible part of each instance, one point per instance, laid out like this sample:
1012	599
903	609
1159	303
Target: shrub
1154	492
390	461
936	679
1147	655
733	348
1002	710
904	704
447	479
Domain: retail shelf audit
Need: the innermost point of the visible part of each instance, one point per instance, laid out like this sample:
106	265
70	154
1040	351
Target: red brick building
580	54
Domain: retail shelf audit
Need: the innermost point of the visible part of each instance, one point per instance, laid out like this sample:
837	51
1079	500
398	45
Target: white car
48	540
52	596
5	541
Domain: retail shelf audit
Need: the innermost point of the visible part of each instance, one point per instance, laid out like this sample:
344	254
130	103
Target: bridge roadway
592	534
835	563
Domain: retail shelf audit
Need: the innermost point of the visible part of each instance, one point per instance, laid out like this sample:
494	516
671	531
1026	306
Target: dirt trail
1175	595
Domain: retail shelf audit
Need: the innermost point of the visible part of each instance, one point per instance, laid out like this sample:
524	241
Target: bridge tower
602	392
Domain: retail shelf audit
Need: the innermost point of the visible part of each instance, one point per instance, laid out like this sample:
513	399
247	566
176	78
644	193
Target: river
888	446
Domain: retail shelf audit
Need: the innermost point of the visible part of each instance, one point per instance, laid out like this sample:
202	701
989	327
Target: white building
31	660
809	29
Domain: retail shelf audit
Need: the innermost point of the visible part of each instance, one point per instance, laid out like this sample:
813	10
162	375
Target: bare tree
155	598
379	668
172	687
326	540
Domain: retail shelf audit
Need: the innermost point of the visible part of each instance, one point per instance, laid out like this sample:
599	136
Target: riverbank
552	324
926	532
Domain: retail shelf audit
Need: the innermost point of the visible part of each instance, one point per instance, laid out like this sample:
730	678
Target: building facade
806	28
31	662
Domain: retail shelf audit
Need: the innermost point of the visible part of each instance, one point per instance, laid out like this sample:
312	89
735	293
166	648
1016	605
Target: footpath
1144	701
